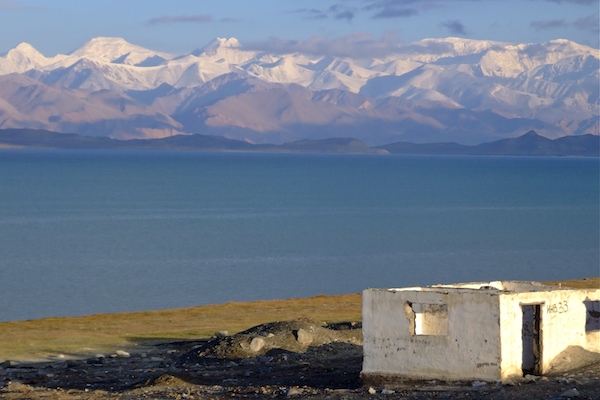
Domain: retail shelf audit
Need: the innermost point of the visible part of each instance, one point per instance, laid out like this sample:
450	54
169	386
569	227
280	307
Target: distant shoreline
529	144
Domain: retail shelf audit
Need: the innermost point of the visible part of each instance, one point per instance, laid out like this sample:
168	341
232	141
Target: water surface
85	232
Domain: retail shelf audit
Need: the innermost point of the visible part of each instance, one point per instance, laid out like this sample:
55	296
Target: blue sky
320	26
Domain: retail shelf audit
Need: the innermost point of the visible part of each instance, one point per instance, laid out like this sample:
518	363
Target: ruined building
491	331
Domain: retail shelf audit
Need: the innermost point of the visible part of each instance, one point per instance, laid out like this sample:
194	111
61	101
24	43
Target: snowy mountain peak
512	60
462	44
27	49
25	53
102	43
565	42
220	46
231	42
569	47
223	42
550	86
20	59
115	50
224	52
432	49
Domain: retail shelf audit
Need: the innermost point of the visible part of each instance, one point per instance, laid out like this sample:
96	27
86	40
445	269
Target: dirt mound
295	336
571	358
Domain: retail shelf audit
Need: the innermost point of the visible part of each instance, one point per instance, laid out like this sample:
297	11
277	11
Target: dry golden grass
81	336
585	283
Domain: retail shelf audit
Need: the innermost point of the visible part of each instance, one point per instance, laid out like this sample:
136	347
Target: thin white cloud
548	24
347	15
589	23
391	9
396	12
404	8
167	19
379	9
336	11
386	9
357	45
311	13
354	45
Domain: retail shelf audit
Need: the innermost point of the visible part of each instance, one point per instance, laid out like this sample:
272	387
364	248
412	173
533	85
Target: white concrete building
477	331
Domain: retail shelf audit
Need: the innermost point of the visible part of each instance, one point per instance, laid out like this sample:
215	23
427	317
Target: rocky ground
300	359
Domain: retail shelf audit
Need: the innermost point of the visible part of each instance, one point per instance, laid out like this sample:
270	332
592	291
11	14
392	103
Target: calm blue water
96	232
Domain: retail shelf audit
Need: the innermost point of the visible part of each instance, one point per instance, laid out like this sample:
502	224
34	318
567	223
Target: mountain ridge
450	89
528	144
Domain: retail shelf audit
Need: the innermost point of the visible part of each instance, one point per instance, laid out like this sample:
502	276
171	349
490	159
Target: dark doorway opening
532	339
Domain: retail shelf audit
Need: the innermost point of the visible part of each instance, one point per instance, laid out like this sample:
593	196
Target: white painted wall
469	350
483	337
563	321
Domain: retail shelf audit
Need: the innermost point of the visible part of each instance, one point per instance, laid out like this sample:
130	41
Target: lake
84	232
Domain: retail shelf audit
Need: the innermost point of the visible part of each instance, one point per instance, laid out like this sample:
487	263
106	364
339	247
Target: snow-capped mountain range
436	90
